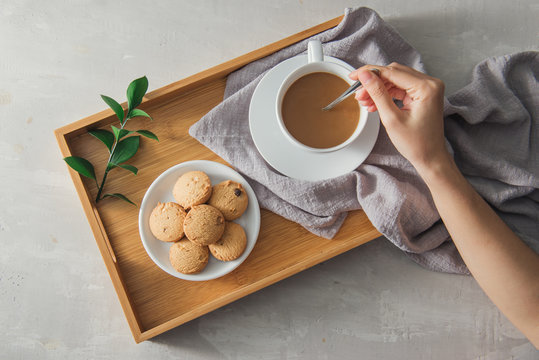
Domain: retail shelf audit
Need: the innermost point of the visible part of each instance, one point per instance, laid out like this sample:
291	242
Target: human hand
416	129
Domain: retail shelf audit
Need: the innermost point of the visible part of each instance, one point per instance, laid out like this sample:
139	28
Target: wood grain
154	301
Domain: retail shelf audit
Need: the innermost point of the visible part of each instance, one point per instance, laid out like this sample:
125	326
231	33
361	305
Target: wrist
441	165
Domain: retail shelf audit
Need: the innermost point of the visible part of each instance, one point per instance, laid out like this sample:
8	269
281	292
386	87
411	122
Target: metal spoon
348	92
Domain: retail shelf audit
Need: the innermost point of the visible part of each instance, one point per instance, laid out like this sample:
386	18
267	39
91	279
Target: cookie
192	188
166	221
230	198
231	245
187	257
204	224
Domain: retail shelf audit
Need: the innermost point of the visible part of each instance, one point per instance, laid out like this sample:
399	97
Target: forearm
506	269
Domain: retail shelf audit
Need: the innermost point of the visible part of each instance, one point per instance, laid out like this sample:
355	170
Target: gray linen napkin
385	186
493	126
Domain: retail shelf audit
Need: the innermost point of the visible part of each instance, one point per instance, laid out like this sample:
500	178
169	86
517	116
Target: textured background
56	299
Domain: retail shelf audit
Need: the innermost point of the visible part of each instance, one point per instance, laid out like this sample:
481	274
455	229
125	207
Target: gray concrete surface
56	299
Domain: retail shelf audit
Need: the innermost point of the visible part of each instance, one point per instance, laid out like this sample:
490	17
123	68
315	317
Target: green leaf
120	133
135	92
119	196
80	165
116	131
138	112
117	108
131	168
124	132
148	134
105	136
125	150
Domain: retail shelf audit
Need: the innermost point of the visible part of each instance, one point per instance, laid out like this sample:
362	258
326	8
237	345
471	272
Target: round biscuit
204	224
230	198
166	221
231	245
192	188
187	257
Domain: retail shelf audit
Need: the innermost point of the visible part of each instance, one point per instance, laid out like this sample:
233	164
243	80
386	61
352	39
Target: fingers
378	93
395	93
400	76
362	94
399	81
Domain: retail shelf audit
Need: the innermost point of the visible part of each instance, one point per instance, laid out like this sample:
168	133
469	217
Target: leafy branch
120	144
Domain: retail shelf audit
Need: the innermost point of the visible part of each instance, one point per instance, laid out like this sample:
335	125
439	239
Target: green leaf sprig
121	143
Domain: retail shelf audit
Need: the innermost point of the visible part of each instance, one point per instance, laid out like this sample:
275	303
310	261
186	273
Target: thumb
378	93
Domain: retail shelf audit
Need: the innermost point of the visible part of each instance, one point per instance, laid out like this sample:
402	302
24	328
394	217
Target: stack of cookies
200	222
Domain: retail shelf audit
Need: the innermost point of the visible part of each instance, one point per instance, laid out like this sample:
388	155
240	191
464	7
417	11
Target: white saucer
288	159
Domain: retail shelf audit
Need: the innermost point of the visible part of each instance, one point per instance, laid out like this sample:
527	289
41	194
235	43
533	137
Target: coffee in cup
304	93
304	118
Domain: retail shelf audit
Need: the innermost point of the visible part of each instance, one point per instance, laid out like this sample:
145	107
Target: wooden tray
152	300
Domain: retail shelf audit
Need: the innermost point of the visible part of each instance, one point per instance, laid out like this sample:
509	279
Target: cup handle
314	51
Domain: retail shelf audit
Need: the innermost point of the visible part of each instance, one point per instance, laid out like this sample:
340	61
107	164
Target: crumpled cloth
491	125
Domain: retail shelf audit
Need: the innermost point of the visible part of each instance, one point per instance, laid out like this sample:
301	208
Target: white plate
161	191
282	155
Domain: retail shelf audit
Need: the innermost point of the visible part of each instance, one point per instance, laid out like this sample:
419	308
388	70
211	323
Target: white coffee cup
315	64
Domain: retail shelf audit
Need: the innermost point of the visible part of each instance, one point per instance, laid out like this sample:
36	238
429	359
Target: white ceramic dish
161	191
284	156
